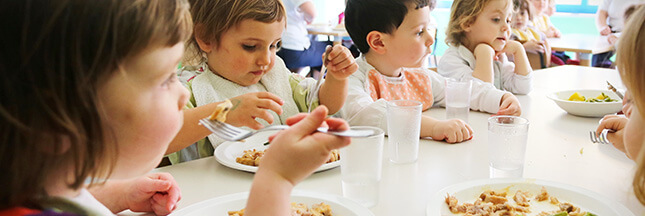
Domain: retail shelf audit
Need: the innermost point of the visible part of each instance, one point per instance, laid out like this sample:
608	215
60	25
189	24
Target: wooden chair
537	61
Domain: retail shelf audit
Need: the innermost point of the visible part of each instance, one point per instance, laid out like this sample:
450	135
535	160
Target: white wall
328	10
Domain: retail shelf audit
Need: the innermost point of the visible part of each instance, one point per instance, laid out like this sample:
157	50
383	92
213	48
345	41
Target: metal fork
323	71
602	138
232	133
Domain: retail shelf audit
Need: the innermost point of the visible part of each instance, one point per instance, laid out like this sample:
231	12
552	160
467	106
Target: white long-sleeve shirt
361	109
459	62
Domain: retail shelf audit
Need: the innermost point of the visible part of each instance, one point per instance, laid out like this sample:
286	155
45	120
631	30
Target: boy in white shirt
394	42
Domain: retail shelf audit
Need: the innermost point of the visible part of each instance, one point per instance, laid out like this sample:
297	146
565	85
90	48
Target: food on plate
600	98
299	209
496	203
221	110
252	157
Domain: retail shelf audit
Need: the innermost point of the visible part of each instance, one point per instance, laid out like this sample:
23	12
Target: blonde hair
631	50
213	18
463	13
62	53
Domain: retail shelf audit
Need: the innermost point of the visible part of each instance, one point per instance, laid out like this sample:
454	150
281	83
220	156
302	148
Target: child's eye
248	47
171	79
421	32
277	45
496	20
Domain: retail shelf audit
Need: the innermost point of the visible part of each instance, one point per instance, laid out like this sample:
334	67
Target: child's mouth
257	73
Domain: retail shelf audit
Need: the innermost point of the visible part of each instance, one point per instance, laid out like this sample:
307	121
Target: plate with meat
303	203
529	197
246	155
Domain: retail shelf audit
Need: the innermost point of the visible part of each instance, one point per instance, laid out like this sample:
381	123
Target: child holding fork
234	47
73	141
631	51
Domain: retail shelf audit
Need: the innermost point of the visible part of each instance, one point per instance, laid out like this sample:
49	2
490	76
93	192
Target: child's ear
204	45
466	26
375	40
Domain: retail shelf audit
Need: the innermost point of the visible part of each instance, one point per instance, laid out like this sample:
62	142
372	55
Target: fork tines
602	138
220	129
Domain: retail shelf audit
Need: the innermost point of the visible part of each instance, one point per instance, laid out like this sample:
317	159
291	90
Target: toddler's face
143	107
409	44
246	52
492	26
540	5
520	20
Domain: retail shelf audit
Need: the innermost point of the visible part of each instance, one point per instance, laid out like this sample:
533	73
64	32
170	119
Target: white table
553	153
584	45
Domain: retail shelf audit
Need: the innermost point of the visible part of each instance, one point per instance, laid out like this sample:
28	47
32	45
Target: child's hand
605	30
484	50
509	105
612	39
513	48
340	62
534	47
154	192
452	130
249	106
617	124
296	152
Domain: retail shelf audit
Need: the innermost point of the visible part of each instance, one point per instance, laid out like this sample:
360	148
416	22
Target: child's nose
264	58
183	97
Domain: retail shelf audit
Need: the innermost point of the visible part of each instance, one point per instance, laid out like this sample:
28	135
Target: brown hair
462	13
214	17
630	10
54	56
631	50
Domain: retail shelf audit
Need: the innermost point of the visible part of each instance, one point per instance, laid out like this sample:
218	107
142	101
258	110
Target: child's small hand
154	192
484	50
340	63
513	48
249	106
296	152
452	130
616	123
509	105
605	30
534	47
612	39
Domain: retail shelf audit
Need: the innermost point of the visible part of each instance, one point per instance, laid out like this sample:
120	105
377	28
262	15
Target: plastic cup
403	128
458	98
360	167
507	136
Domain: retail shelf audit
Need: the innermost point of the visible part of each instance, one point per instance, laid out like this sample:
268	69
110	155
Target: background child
67	111
541	20
235	44
631	51
532	39
478	33
393	45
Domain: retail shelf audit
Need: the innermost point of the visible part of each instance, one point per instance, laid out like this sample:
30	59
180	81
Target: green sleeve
300	93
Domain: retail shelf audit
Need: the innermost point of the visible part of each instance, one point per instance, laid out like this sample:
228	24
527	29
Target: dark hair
54	56
365	16
522	5
630	10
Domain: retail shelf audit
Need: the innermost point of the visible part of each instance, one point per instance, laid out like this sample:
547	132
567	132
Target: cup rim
378	131
523	121
394	103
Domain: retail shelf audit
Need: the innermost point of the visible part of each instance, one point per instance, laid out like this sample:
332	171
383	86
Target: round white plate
586	200
587	109
234	202
227	152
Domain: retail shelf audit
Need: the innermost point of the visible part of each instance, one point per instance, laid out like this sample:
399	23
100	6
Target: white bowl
587	109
